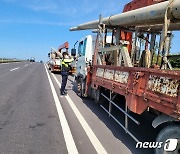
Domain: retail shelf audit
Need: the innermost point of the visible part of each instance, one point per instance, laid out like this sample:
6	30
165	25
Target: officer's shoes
63	93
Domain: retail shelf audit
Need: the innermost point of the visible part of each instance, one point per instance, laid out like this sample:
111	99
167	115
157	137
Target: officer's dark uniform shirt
64	72
66	65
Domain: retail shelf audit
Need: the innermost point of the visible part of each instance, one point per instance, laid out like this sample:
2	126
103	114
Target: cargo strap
164	35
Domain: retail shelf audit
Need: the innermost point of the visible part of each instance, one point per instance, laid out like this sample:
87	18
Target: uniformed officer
66	61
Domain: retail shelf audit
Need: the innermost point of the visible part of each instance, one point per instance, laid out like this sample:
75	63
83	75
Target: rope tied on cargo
145	60
164	34
166	24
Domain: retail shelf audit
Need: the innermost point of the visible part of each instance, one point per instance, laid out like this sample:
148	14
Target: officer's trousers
64	81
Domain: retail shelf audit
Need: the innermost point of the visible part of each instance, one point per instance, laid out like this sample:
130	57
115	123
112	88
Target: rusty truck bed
142	87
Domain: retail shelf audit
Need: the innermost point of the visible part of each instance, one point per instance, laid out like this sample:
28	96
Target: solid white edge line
70	144
94	140
14	69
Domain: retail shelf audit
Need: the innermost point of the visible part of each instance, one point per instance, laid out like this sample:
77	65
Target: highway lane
30	122
7	67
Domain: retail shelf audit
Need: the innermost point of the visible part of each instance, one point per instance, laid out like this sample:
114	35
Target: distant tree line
175	62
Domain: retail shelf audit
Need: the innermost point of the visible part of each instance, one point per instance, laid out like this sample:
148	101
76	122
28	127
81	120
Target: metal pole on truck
146	16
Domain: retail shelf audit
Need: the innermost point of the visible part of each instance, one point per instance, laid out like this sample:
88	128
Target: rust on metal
121	77
109	74
100	72
142	87
163	85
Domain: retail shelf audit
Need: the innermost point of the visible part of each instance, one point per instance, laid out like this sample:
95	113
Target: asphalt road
35	119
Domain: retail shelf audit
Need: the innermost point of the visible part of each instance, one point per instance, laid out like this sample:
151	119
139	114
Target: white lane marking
94	140
26	65
70	144
14	69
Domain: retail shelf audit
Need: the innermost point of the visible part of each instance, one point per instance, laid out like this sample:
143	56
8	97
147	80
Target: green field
3	60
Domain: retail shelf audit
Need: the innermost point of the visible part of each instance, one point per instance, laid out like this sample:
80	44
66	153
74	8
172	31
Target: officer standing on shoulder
66	61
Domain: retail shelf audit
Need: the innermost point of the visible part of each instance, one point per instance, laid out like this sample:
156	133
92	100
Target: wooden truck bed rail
142	88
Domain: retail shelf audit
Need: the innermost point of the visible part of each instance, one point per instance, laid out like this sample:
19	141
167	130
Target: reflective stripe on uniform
63	63
68	60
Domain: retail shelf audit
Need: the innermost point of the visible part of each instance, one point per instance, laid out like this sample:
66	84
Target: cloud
69	7
76	11
37	22
43	7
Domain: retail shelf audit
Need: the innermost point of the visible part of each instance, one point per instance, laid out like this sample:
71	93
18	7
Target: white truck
54	62
85	51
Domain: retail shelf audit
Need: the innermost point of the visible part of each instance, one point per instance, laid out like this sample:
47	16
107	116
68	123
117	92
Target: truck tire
81	87
52	70
97	96
169	132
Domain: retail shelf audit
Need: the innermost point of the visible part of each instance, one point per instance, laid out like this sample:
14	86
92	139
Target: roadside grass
9	60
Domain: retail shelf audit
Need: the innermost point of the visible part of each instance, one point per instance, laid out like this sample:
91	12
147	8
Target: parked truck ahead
54	62
55	59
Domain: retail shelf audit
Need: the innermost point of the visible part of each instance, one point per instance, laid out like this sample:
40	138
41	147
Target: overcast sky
28	28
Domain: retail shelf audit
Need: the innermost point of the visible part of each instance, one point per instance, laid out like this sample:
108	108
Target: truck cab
85	54
86	49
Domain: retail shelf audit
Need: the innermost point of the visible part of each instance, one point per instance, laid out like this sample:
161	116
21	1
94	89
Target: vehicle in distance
32	59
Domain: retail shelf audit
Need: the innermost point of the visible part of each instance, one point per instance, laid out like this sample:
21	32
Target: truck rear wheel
169	132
